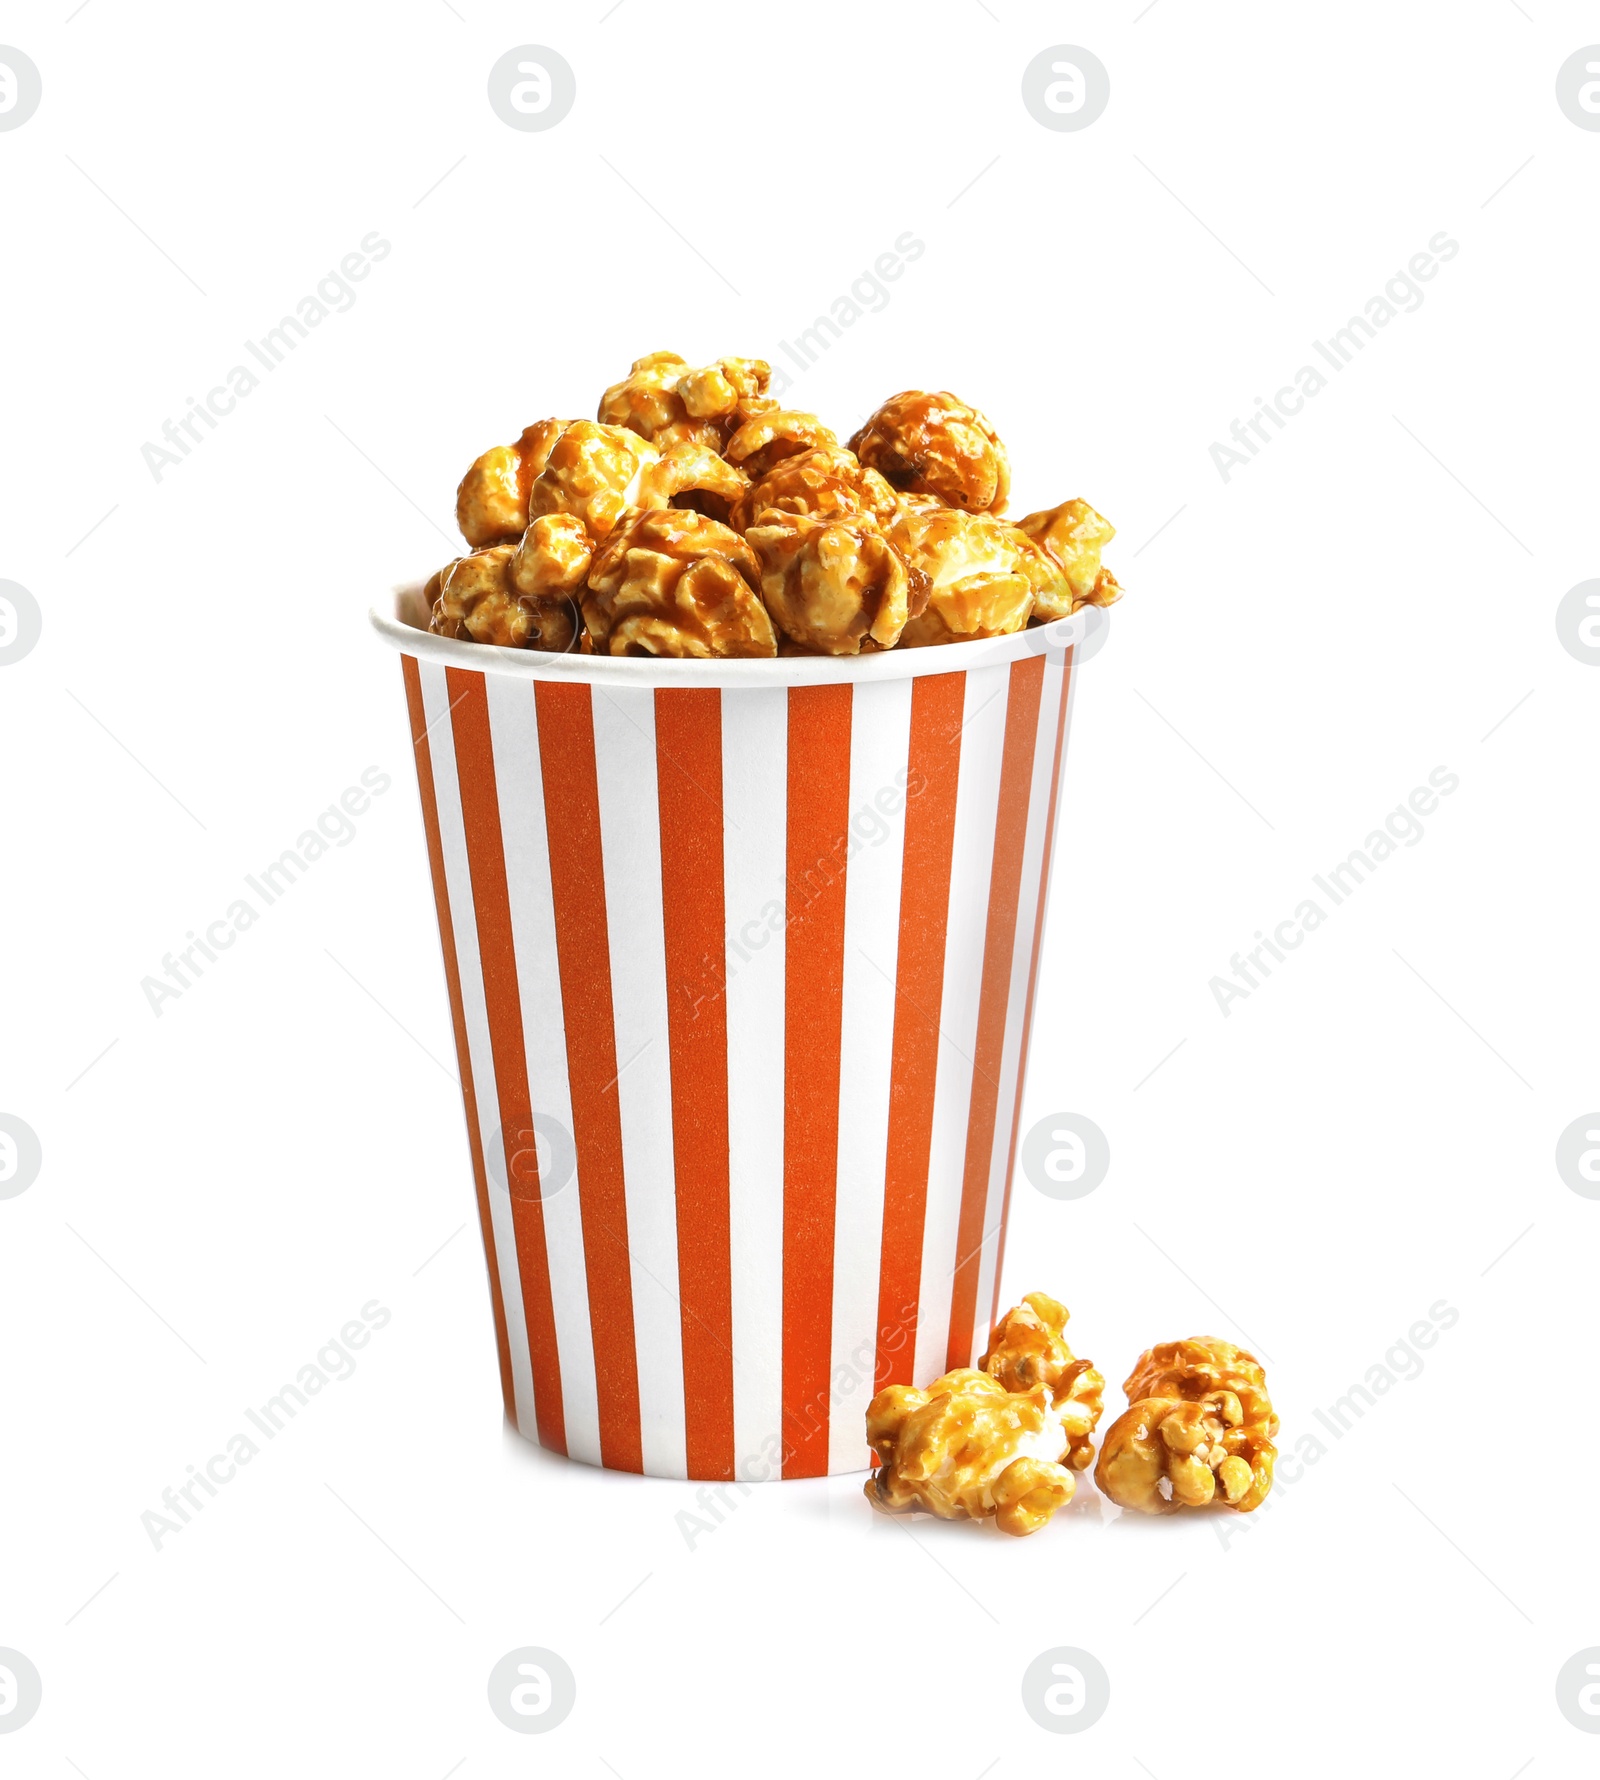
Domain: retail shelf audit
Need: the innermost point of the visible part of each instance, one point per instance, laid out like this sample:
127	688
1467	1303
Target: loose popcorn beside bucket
742	958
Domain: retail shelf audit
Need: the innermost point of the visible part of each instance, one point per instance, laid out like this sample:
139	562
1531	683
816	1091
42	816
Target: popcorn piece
492	501
553	558
595	473
1190	1370
1163	1454
828	481
834	585
934	444
477	599
1070	538
672	582
694	470
968	1449
647	402
977	587
731	388
1028	1350
768	438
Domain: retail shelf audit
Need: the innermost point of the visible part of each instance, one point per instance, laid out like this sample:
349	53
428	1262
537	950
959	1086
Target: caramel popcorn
893	542
834	585
1028	1350
968	1449
1069	539
694	470
732	388
553	557
1164	1453
595	473
828	480
492	501
977	587
1190	1370
476	597
665	400
767	439
672	582
934	444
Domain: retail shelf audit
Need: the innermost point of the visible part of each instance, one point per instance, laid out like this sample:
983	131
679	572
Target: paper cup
742	958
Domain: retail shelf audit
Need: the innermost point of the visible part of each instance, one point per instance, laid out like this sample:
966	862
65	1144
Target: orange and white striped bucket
741	958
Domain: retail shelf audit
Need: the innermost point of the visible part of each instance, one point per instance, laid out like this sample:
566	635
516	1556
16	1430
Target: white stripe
880	743
1011	1059
533	929
972	857
755	817
475	1017
630	836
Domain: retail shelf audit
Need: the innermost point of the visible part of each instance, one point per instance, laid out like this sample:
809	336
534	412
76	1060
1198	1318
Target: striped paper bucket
741	958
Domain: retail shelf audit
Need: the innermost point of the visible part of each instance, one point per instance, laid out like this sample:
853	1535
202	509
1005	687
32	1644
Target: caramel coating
492	501
767	438
595	473
731	388
934	444
1163	1454
672	582
828	480
647	402
968	1449
974	565
695	470
1028	1350
834	585
1192	1369
667	401
553	557
1069	539
476	598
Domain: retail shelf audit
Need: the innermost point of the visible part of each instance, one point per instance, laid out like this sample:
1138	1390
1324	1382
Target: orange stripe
1033	977
583	948
994	995
458	1018
818	834
933	772
689	787
486	856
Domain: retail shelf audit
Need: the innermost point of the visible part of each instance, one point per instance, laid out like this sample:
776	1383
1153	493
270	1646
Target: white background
1370	1132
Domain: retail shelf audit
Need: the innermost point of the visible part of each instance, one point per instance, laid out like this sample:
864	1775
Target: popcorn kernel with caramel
934	444
1028	1350
974	567
828	481
834	585
492	501
595	473
672	582
968	1449
477	598
1192	1369
1070	538
765	440
1164	1453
